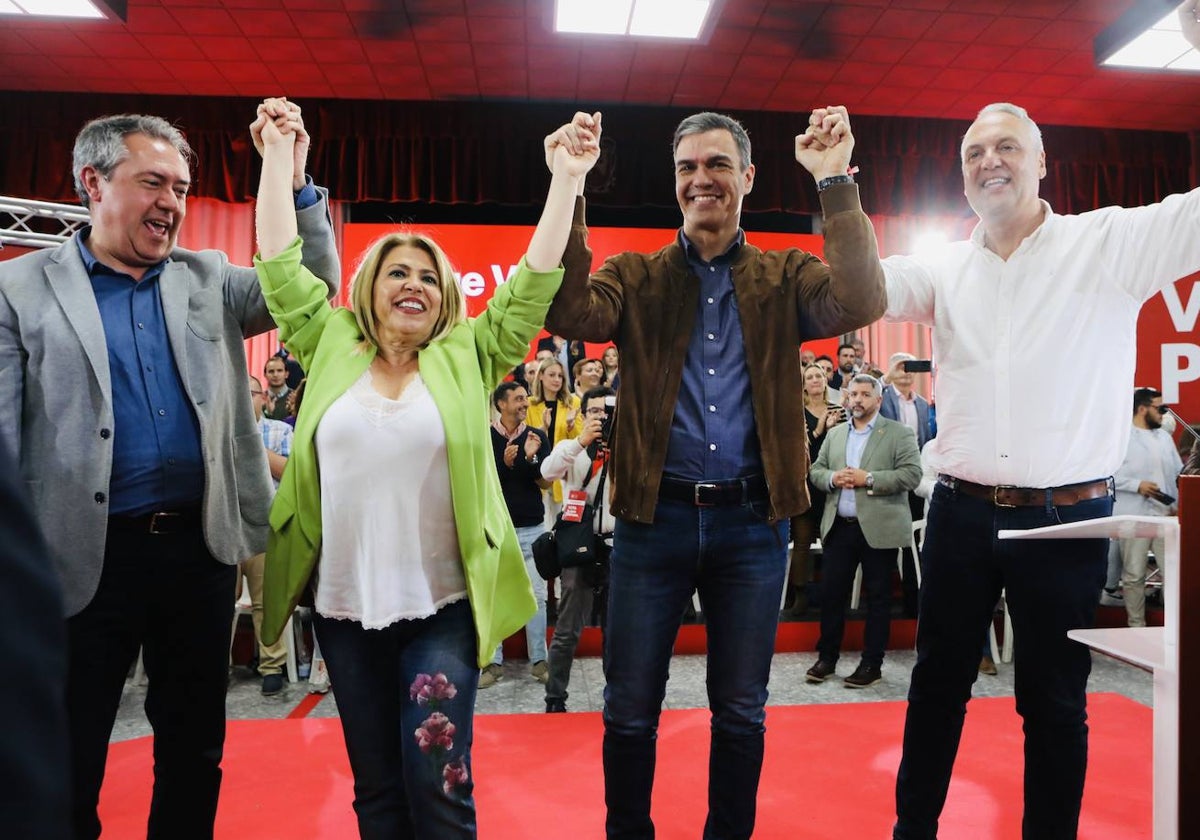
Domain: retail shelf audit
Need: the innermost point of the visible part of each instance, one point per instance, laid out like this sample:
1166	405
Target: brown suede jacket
646	304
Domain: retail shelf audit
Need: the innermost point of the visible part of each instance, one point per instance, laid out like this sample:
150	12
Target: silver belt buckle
161	516
696	493
996	495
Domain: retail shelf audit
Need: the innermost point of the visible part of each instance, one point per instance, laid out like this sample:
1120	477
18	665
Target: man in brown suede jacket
708	463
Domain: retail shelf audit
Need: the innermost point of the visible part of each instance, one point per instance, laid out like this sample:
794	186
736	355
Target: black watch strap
826	183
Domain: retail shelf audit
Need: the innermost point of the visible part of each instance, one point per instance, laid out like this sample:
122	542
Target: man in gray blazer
868	466
123	397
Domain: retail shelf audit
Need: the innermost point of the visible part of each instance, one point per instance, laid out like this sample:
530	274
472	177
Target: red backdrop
486	255
1168	355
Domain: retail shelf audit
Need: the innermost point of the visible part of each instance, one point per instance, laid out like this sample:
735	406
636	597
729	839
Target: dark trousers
1052	586
845	548
167	595
574	608
736	560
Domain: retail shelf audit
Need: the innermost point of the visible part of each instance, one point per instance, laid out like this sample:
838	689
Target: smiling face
710	183
589	377
551	380
1002	163
137	210
407	299
513	407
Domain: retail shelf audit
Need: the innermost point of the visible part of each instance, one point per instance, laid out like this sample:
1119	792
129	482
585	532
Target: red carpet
829	773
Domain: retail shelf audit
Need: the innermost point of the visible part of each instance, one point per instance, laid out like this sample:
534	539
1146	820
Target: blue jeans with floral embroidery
406	697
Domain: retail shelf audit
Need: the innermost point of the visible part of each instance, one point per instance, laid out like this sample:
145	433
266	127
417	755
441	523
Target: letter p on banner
1180	363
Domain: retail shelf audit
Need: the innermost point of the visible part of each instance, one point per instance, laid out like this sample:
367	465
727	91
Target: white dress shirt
1151	456
1074	285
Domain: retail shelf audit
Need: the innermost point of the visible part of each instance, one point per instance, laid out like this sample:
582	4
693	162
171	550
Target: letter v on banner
1168	354
1183	315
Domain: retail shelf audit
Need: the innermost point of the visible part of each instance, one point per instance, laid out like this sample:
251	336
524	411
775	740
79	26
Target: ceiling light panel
669	18
1162	46
606	17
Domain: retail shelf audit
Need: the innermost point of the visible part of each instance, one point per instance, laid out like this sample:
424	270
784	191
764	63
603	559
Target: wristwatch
532	460
870	481
826	183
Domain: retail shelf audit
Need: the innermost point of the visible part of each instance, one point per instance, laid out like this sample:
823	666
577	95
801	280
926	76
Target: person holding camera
1145	485
581	463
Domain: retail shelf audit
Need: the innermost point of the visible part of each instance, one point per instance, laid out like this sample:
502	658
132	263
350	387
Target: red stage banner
1168	355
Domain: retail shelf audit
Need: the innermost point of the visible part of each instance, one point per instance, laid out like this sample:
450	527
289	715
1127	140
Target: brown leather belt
1004	495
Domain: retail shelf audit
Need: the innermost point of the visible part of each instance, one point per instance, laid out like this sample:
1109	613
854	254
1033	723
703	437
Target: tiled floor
518	692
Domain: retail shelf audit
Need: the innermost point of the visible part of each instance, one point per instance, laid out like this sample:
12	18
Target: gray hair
868	379
710	121
899	357
101	144
1016	111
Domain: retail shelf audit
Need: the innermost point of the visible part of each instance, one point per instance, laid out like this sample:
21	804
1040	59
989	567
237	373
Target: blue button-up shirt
713	433
157	463
856	444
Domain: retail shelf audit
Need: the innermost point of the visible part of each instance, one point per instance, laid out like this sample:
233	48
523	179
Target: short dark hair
1144	396
822	356
593	393
846	346
502	391
710	121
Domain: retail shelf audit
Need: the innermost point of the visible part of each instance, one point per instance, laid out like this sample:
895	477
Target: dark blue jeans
407	734
1052	586
844	548
736	560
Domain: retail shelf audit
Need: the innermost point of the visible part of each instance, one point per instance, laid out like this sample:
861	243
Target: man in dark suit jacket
123	398
34	794
846	360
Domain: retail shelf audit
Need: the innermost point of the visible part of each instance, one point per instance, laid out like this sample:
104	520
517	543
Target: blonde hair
362	290
563	396
804	377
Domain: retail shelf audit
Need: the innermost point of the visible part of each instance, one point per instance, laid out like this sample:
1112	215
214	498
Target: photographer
581	464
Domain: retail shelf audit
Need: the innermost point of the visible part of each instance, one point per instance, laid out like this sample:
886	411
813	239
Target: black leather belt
739	491
848	520
1004	495
159	522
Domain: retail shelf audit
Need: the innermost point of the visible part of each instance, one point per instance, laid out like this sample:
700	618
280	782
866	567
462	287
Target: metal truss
19	225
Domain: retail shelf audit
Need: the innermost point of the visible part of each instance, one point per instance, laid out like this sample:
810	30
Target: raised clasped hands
574	148
280	121
825	147
1189	21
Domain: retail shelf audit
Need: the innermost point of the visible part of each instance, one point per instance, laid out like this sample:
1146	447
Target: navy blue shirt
713	434
157	463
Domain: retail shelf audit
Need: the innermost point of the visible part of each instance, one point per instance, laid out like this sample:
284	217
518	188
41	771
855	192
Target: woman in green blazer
390	503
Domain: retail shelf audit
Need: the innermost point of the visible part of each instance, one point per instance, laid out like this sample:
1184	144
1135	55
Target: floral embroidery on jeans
435	736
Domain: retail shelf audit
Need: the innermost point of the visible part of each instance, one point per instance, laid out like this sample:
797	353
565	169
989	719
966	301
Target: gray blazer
56	410
892	458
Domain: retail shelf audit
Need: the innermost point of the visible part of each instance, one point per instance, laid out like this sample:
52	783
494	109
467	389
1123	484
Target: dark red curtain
451	152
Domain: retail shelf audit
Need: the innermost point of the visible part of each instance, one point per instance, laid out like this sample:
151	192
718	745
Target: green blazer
460	371
892	458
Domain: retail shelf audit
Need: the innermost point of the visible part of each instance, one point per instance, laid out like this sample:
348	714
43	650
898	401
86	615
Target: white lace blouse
389	548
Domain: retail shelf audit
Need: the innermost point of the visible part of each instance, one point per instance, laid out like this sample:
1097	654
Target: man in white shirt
1145	481
1011	454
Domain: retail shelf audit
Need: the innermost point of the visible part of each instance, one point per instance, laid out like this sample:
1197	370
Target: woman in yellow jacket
554	410
400	523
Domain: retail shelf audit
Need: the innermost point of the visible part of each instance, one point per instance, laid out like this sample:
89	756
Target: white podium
1154	648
